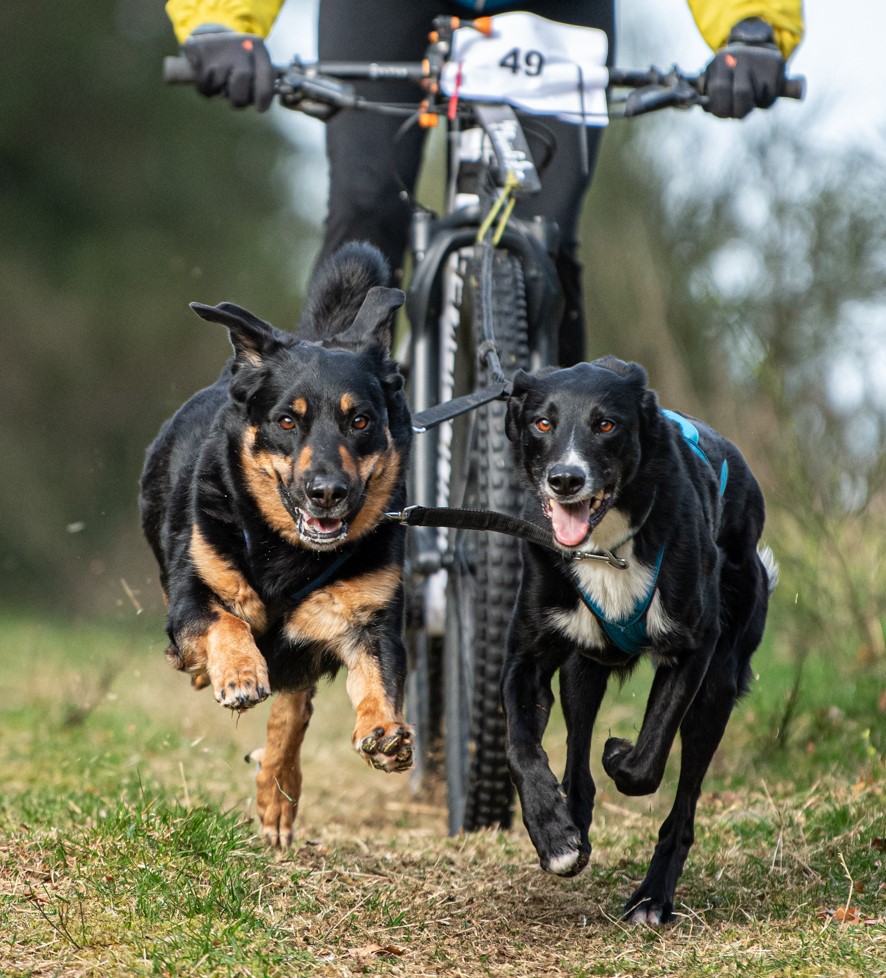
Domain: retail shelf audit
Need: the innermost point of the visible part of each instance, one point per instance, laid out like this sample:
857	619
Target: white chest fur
616	592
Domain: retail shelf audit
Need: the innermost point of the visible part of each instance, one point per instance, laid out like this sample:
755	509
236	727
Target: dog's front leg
375	687
637	769
221	647
582	687
527	700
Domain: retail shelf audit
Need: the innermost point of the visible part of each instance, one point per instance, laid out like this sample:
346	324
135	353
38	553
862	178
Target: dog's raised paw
614	752
240	687
388	748
633	775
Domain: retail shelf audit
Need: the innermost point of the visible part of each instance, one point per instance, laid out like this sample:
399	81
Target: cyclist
369	169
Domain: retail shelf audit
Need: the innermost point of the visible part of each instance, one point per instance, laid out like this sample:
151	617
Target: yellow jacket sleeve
248	16
716	18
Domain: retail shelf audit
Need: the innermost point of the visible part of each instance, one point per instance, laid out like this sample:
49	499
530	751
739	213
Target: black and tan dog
263	500
610	472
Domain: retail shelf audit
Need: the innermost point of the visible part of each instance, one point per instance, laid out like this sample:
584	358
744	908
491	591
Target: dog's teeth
596	504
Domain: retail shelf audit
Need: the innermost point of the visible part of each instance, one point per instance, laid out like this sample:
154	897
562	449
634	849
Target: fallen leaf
847	915
369	951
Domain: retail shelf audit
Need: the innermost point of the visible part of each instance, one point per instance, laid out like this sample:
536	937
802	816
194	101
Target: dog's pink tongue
570	523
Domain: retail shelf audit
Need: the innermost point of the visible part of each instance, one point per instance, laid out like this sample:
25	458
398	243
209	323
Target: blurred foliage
123	201
751	285
745	273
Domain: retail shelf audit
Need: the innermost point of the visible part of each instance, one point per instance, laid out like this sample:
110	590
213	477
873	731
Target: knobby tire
482	578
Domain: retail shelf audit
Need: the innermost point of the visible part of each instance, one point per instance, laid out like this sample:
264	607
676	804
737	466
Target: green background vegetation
739	281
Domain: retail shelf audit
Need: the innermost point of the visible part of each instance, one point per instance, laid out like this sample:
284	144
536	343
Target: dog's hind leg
527	700
700	733
582	686
279	778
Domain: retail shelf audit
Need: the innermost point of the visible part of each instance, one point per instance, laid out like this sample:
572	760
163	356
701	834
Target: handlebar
307	87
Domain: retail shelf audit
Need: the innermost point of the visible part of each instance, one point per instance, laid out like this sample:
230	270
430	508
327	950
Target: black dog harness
296	597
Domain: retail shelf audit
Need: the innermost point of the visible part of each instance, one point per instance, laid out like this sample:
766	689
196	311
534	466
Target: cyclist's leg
369	167
566	179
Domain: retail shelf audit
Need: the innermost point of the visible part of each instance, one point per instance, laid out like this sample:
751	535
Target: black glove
748	73
237	66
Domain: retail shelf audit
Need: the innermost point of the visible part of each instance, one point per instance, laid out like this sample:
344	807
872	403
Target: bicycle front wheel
482	577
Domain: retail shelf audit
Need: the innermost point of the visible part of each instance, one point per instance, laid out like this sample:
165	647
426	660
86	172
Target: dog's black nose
566	480
325	492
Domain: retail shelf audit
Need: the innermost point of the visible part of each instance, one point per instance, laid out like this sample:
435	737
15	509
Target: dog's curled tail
340	285
770	565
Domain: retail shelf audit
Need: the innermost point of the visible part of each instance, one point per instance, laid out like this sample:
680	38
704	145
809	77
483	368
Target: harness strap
690	436
436	415
628	633
316	583
321	579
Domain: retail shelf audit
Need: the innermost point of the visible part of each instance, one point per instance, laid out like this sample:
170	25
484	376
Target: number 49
529	62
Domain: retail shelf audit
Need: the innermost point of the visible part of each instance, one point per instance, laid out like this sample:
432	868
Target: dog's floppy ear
252	338
629	370
519	388
650	416
373	324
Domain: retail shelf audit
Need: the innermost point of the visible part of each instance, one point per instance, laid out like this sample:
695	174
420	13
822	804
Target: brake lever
319	97
679	93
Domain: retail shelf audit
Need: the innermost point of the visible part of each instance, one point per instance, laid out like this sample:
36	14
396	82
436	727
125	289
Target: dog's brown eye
544	425
360	422
605	426
286	422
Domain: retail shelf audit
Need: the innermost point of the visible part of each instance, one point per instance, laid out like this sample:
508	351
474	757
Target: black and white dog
612	473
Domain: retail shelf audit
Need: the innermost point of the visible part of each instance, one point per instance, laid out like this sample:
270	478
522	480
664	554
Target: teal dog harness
629	633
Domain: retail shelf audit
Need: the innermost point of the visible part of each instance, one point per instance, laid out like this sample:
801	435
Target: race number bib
533	64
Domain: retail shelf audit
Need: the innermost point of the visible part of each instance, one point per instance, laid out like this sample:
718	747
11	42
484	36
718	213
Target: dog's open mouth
573	522
319	530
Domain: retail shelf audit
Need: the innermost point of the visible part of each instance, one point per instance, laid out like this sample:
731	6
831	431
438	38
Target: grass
127	845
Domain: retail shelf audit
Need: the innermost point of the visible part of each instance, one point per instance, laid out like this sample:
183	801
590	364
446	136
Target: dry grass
127	847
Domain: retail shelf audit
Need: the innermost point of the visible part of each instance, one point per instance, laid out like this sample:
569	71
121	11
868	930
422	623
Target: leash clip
403	516
608	556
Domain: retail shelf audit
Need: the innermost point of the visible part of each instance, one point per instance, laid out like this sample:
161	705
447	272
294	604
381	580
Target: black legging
368	170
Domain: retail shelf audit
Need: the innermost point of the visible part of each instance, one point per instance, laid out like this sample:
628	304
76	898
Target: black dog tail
339	288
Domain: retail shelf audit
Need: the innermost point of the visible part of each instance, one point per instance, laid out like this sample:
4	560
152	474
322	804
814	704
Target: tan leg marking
336	615
236	669
279	780
336	612
380	736
219	574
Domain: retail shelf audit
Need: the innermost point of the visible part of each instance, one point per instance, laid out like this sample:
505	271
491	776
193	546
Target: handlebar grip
795	87
177	71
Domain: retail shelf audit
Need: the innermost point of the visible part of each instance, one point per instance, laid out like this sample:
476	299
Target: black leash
431	417
481	519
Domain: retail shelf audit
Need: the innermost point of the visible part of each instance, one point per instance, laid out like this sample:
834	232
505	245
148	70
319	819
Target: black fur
277	473
596	430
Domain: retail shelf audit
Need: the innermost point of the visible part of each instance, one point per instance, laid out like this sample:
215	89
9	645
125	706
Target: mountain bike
481	303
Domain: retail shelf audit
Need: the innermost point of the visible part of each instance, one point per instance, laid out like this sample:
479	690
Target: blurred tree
752	287
122	201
